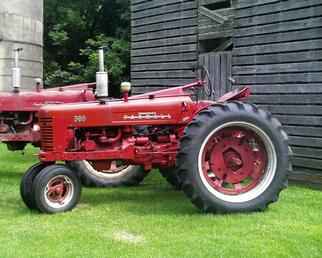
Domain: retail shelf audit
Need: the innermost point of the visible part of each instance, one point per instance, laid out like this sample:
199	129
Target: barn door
219	66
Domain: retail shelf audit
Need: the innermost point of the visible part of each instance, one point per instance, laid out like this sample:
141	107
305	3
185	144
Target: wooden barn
273	46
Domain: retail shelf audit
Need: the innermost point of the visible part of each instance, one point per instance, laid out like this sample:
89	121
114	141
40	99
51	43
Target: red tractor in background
226	155
19	123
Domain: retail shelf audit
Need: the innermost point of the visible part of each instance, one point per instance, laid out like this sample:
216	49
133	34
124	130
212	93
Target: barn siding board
287	88
177	20
169	25
300	120
162	66
163	74
163	9
280	78
164	43
279	27
164	58
278	68
306	34
277	58
308	152
278	52
275	6
294	109
296	99
151	4
179	32
296	14
303	130
286	47
160	82
183	48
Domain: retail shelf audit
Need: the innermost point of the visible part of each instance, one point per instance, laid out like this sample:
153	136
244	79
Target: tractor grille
47	135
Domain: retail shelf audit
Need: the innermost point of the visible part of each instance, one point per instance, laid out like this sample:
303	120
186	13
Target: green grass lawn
153	221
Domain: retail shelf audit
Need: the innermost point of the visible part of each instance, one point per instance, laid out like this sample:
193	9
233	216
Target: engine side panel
145	131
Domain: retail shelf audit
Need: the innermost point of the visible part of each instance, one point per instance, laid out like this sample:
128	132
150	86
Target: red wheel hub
57	190
234	160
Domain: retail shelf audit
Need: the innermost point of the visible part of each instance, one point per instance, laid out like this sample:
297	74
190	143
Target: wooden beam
225	45
213	15
207	2
216	34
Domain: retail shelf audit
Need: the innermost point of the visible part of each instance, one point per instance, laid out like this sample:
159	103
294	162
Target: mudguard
238	94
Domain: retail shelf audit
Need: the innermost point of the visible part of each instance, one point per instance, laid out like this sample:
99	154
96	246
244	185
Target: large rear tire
94	175
233	158
171	175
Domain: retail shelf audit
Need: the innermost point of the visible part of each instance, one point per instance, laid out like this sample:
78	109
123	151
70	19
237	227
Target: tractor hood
32	100
117	113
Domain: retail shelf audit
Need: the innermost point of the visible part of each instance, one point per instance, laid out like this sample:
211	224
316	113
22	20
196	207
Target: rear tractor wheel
171	175
233	158
108	173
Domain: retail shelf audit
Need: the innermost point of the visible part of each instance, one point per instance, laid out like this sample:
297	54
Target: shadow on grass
11	175
142	201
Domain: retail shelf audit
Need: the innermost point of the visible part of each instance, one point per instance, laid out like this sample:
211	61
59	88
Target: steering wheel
204	76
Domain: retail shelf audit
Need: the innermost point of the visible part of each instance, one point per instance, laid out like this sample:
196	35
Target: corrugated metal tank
21	26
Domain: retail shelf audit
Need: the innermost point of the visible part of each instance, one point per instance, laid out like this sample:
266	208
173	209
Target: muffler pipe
101	77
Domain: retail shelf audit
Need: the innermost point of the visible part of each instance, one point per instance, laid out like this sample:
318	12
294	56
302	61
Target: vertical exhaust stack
16	71
101	77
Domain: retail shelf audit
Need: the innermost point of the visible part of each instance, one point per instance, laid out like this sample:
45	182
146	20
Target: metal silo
21	26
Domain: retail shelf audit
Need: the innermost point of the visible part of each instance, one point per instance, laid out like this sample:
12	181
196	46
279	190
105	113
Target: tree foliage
75	29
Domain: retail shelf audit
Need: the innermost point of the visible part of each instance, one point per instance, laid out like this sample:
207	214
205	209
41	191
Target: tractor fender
238	94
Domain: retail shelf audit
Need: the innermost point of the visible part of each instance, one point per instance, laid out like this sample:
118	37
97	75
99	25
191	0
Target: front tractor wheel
26	185
233	158
56	189
108	173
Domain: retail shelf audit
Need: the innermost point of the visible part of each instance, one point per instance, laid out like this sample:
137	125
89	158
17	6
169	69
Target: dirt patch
127	237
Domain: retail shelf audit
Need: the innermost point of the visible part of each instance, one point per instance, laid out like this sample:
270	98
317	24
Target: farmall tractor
226	155
19	123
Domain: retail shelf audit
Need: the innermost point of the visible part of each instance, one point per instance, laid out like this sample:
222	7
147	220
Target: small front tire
56	189
26	185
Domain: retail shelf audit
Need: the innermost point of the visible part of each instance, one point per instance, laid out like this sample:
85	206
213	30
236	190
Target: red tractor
227	156
19	123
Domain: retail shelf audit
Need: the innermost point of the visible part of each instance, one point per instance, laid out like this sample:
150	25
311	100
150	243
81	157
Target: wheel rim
107	169
237	162
59	191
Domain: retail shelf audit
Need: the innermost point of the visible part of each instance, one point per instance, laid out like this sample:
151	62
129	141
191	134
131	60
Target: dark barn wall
164	43
278	52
